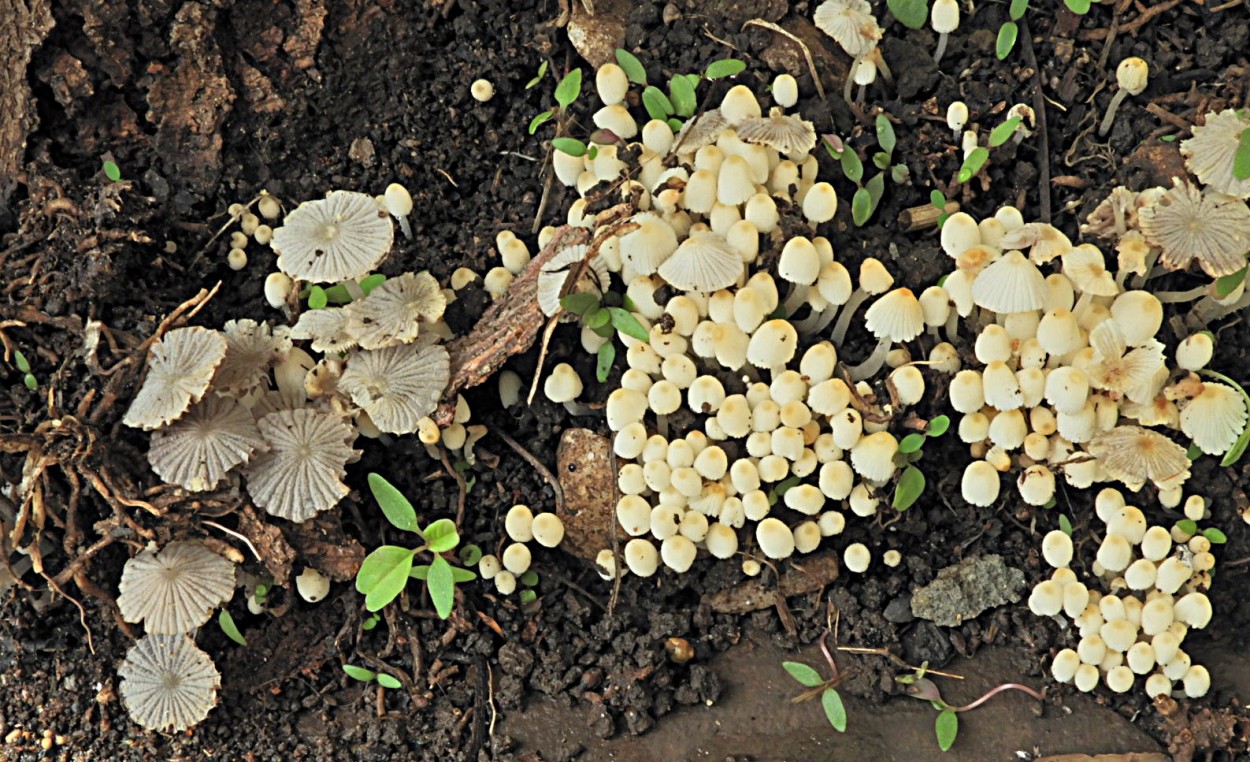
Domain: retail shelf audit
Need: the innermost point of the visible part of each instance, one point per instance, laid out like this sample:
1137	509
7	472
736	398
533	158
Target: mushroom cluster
1146	591
1068	375
522	527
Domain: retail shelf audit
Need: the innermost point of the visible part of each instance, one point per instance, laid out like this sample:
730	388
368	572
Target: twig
235	534
542	470
460	483
896	659
807	54
1039	110
995	691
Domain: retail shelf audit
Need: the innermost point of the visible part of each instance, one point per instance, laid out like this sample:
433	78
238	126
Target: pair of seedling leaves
386	571
594	312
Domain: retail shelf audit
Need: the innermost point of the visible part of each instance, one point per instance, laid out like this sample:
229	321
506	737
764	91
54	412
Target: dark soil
202	104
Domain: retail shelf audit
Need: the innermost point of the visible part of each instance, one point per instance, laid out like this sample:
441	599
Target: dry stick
236	535
460	483
1039	108
896	659
807	54
542	470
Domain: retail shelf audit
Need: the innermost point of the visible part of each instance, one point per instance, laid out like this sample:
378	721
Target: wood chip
584	469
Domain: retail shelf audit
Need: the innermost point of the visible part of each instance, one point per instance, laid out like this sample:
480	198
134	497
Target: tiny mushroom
1132	76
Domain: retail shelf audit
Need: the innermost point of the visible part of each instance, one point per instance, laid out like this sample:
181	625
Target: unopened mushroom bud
399	204
1132	76
278	288
956	118
785	90
268	206
497	281
237	259
482	90
945	19
312	585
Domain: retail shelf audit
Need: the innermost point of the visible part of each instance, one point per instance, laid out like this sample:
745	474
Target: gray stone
963	591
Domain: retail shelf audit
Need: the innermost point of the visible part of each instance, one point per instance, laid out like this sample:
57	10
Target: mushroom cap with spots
342	236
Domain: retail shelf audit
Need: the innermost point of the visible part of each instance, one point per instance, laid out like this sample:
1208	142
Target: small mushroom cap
739	104
850	23
397	386
398	200
1135	455
394	312
944	16
303	471
649	245
174	590
897	316
980	484
168	684
774	538
873	277
1010	284
789	135
312	585
251	349
341	236
1215	418
180	368
563	385
1211	153
1133	74
1189	224
703	262
326	328
773	344
198	450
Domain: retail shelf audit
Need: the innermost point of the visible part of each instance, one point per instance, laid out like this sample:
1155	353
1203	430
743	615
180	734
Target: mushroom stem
353	289
952	325
1209	310
1173	297
795	299
817	321
576	408
941	47
405	227
1151	258
1116	100
661	425
848	312
850	79
869	367
882	68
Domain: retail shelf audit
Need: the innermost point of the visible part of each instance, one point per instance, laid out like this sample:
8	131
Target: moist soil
202	104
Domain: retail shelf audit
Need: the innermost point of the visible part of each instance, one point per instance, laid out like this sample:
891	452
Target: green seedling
946	726
112	171
1010	30
938	200
868	194
23	367
529	581
319	297
910	13
911	482
1065	525
605	314
542	72
681	101
386	571
816	685
371	622
974	162
567	90
1214	535
369	676
227	625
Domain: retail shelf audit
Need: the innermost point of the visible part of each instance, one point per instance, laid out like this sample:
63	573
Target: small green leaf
1214	536
359	673
261	593
1065	525
527	596
786	485
937	198
112	171
1050	503
226	622
881	160
604	360
1017	8
627	324
592	152
370	282
442	585
1079	7
1188	526
726	67
579	303
459	575
1168	138
569	88
441	536
909	488
1193	452
861	206
1229	283
852	167
682	95
885	133
470	554
946	727
388	681
911	443
20	361
900	174
972	165
538	121
383	575
571	146
1241	159
1008	33
675	125
938	425
371	622
910	13
394	505
634	69
337	294
1003	132
876	188
529	578
656	103
834	710
421	572
596	319
805	675
317	298
542	72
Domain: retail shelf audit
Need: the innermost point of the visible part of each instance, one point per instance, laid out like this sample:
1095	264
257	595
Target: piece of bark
321	543
584	470
25	25
276	553
806	574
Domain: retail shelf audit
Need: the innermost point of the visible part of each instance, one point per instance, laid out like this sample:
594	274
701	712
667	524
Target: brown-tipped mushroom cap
850	23
168	684
1135	456
198	450
344	235
251	349
393	312
703	262
897	316
1189	224
397	386
326	328
788	134
174	590
303	471
180	367
1211	152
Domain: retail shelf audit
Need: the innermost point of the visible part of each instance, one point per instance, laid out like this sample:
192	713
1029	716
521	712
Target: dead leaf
584	470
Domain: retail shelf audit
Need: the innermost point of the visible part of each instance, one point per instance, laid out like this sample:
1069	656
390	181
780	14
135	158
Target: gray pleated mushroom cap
180	368
197	451
344	235
168	684
397	386
174	590
302	473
